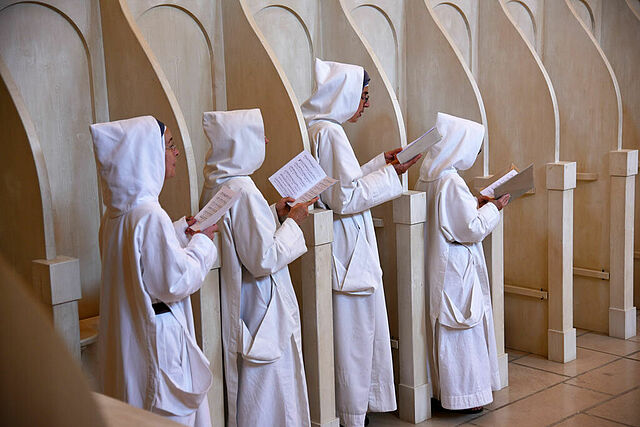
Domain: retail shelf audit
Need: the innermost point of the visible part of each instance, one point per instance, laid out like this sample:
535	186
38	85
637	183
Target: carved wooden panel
182	40
53	53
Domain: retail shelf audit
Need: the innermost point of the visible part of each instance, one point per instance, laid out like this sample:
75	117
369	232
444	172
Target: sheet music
217	206
301	178
518	185
489	191
419	145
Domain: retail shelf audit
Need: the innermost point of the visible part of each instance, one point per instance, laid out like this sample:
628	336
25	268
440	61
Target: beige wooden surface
24	185
53	53
590	125
137	86
523	120
186	41
620	41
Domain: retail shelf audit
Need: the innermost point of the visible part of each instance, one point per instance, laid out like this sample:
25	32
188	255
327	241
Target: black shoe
366	420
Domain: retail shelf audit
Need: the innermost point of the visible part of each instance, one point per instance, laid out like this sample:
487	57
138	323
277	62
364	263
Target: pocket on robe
274	333
184	376
466	309
362	276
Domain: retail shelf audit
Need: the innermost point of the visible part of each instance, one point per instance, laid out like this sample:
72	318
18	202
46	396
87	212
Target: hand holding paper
419	145
215	209
301	178
513	183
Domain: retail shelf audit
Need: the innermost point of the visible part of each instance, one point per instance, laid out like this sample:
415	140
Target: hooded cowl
237	145
337	95
457	150
130	157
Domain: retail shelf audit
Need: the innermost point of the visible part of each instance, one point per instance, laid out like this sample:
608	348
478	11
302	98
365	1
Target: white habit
150	361
261	333
465	365
363	366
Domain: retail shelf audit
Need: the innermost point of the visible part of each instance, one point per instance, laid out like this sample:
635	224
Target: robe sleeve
355	192
170	272
264	248
180	226
378	162
460	219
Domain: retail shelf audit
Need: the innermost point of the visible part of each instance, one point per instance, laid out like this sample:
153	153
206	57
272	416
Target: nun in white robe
363	365
465	367
146	359
261	333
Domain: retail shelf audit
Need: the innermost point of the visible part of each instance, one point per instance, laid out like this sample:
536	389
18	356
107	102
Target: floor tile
585	361
547	407
635	356
581	332
439	419
515	354
614	378
607	344
624	409
582	420
523	381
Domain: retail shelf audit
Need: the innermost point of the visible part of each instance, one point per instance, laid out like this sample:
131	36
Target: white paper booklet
419	145
489	191
217	206
301	178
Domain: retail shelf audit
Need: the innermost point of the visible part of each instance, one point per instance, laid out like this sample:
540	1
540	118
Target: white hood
237	144
337	95
130	157
457	150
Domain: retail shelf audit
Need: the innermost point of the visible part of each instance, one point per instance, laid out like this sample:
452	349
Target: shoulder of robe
453	187
250	196
332	132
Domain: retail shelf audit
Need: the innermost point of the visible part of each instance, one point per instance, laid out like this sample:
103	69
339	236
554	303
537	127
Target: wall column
57	283
317	321
208	327
561	335
409	215
623	166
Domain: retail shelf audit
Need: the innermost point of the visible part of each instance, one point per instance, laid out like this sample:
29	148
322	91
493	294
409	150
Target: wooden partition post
57	284
623	166
207	322
561	335
317	322
409	215
493	246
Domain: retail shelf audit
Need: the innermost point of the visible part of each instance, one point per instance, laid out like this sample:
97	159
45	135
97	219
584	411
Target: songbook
419	145
513	182
302	179
219	204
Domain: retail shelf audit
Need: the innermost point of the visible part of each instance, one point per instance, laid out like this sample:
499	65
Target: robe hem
468	401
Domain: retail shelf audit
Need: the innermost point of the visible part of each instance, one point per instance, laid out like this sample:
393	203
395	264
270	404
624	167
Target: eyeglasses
173	148
365	98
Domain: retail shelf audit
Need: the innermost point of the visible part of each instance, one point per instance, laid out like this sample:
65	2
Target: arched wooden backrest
523	123
27	217
590	127
138	86
458	20
620	41
439	79
53	53
255	79
186	40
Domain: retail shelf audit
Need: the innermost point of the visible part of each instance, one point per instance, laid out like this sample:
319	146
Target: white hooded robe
465	365
261	332
147	360
363	365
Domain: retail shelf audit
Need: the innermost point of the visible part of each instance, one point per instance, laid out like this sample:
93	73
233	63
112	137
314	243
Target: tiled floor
600	388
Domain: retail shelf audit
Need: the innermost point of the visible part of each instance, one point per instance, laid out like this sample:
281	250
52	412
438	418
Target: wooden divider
186	41
52	51
138	86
